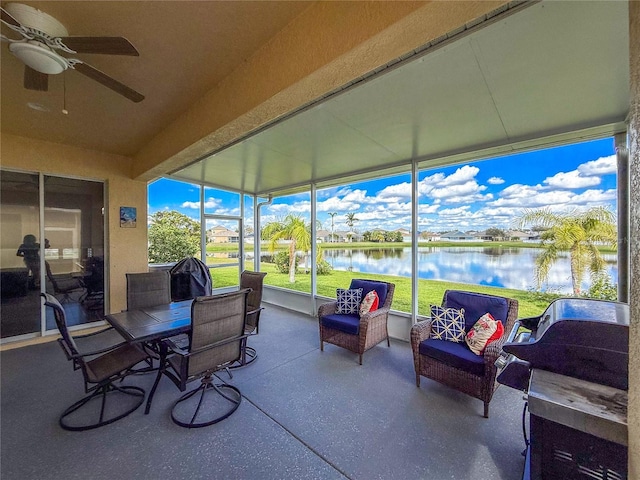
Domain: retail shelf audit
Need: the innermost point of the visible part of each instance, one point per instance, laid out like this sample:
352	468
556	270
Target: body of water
492	266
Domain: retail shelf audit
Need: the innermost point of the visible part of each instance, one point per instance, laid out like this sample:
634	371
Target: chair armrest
86	335
184	353
327	309
91	353
419	332
492	351
253	312
175	348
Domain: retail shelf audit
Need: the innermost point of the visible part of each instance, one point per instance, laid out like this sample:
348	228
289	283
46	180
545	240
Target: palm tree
577	232
351	220
333	214
292	228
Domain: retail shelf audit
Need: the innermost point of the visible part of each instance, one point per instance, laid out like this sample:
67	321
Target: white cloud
495	181
455	212
470	187
209	204
573	179
601	166
399	191
591	197
461	176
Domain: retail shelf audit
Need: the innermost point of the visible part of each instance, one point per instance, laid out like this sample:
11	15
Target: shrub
602	288
281	259
323	267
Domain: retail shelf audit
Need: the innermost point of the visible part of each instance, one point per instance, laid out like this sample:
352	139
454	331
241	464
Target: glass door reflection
20	272
74	248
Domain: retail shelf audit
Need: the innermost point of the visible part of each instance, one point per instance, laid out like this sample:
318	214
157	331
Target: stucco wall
126	247
634	243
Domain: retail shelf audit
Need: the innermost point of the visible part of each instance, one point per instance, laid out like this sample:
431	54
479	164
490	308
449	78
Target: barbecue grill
572	364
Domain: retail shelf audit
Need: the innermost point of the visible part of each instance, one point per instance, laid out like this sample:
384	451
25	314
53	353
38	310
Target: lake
493	266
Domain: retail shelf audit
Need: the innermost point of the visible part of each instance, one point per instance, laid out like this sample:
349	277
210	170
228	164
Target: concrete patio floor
305	414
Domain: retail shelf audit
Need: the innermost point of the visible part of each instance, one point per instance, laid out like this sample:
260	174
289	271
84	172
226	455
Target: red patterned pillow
486	330
369	303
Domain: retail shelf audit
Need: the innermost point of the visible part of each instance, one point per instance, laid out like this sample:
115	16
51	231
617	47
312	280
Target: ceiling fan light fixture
38	57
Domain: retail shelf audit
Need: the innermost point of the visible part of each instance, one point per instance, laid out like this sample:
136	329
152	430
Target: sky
469	196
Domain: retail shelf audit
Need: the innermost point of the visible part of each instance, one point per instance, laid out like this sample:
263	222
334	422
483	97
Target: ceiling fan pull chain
64	94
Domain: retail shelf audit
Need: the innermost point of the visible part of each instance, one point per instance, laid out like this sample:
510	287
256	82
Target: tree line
173	236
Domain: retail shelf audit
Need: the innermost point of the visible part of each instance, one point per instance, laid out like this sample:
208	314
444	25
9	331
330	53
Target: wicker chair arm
492	351
419	332
327	309
379	315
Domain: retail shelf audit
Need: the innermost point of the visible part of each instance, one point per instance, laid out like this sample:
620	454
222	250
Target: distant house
458	236
517	236
347	236
323	236
220	234
406	234
429	236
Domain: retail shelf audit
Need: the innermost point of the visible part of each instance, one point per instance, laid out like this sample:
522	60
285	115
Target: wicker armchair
453	364
357	334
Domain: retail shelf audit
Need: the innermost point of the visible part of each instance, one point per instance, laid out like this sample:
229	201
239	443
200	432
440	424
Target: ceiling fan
43	36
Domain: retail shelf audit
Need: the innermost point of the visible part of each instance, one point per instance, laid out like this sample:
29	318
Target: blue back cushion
368	285
476	304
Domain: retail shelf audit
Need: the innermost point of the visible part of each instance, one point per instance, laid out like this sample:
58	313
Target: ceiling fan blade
104	45
108	82
34	80
8	19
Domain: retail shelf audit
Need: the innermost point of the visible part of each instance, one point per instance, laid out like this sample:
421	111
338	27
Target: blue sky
469	196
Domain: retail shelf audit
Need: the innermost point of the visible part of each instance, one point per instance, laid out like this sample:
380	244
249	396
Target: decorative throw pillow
348	300
369	303
447	324
487	329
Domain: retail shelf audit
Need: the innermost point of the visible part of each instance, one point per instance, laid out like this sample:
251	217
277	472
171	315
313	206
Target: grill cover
190	278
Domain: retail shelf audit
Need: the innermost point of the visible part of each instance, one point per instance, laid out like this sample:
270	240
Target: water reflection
492	266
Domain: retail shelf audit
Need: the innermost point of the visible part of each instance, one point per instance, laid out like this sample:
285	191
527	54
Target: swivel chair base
102	391
234	397
249	355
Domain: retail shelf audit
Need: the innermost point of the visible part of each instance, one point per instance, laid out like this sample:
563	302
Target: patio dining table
152	325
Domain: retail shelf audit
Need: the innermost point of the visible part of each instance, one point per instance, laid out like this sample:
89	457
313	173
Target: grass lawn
430	291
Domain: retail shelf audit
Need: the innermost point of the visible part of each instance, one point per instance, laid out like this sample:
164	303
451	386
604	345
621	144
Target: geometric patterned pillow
348	300
447	324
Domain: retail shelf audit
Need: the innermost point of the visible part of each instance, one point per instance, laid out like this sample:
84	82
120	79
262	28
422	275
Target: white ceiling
552	72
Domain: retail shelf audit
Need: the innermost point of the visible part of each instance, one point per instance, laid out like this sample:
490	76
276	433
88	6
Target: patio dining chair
215	342
103	363
64	286
148	289
353	331
255	282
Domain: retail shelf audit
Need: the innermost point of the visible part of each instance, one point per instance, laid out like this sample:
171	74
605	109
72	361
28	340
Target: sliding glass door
52	241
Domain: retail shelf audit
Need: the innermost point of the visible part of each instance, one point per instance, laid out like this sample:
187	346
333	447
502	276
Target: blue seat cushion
347	323
456	355
475	305
368	285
